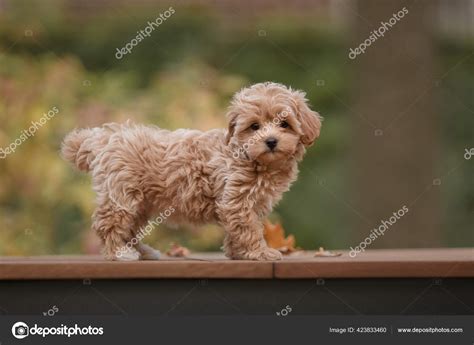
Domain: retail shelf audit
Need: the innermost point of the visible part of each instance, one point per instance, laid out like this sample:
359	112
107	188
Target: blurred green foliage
181	76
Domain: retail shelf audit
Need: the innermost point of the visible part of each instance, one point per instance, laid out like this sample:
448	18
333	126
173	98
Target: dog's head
269	122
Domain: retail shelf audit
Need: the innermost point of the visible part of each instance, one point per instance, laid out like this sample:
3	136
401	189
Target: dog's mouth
269	156
272	151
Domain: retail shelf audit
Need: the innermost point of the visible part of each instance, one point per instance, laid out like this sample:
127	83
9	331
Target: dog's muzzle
271	143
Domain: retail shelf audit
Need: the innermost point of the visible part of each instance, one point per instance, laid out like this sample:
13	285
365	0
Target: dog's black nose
271	143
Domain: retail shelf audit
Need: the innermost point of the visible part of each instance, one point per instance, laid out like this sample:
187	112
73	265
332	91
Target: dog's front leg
244	233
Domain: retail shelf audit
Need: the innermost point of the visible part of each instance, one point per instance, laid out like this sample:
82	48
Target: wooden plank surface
409	263
209	265
387	263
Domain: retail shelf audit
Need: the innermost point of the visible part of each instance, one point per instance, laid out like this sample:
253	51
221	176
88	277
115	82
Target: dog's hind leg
115	226
141	230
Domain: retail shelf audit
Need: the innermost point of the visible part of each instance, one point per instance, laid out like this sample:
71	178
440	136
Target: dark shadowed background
398	128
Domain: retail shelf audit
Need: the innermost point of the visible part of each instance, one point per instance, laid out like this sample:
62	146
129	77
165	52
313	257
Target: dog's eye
284	124
255	126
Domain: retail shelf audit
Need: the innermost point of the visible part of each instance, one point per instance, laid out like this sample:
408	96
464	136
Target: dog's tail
81	146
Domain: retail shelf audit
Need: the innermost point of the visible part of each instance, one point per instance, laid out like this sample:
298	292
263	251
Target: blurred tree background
60	53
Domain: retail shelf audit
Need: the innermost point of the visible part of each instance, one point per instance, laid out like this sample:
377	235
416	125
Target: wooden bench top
393	263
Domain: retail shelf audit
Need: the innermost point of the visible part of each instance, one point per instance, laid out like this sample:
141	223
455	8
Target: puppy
232	176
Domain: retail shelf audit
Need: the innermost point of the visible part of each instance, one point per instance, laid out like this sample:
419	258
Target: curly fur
139	170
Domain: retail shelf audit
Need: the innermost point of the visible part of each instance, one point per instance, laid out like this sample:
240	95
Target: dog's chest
268	191
256	191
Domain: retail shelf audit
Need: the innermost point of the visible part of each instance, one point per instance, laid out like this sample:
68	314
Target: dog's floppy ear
310	120
232	116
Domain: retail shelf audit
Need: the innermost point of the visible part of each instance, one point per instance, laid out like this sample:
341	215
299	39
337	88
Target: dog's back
156	166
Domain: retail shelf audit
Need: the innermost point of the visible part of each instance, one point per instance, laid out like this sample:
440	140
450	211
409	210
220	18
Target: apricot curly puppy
231	176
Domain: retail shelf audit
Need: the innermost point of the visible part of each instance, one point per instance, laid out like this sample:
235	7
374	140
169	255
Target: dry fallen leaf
326	253
178	251
275	237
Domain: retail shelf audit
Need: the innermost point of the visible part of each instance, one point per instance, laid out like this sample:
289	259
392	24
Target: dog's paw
155	255
128	255
263	254
148	253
